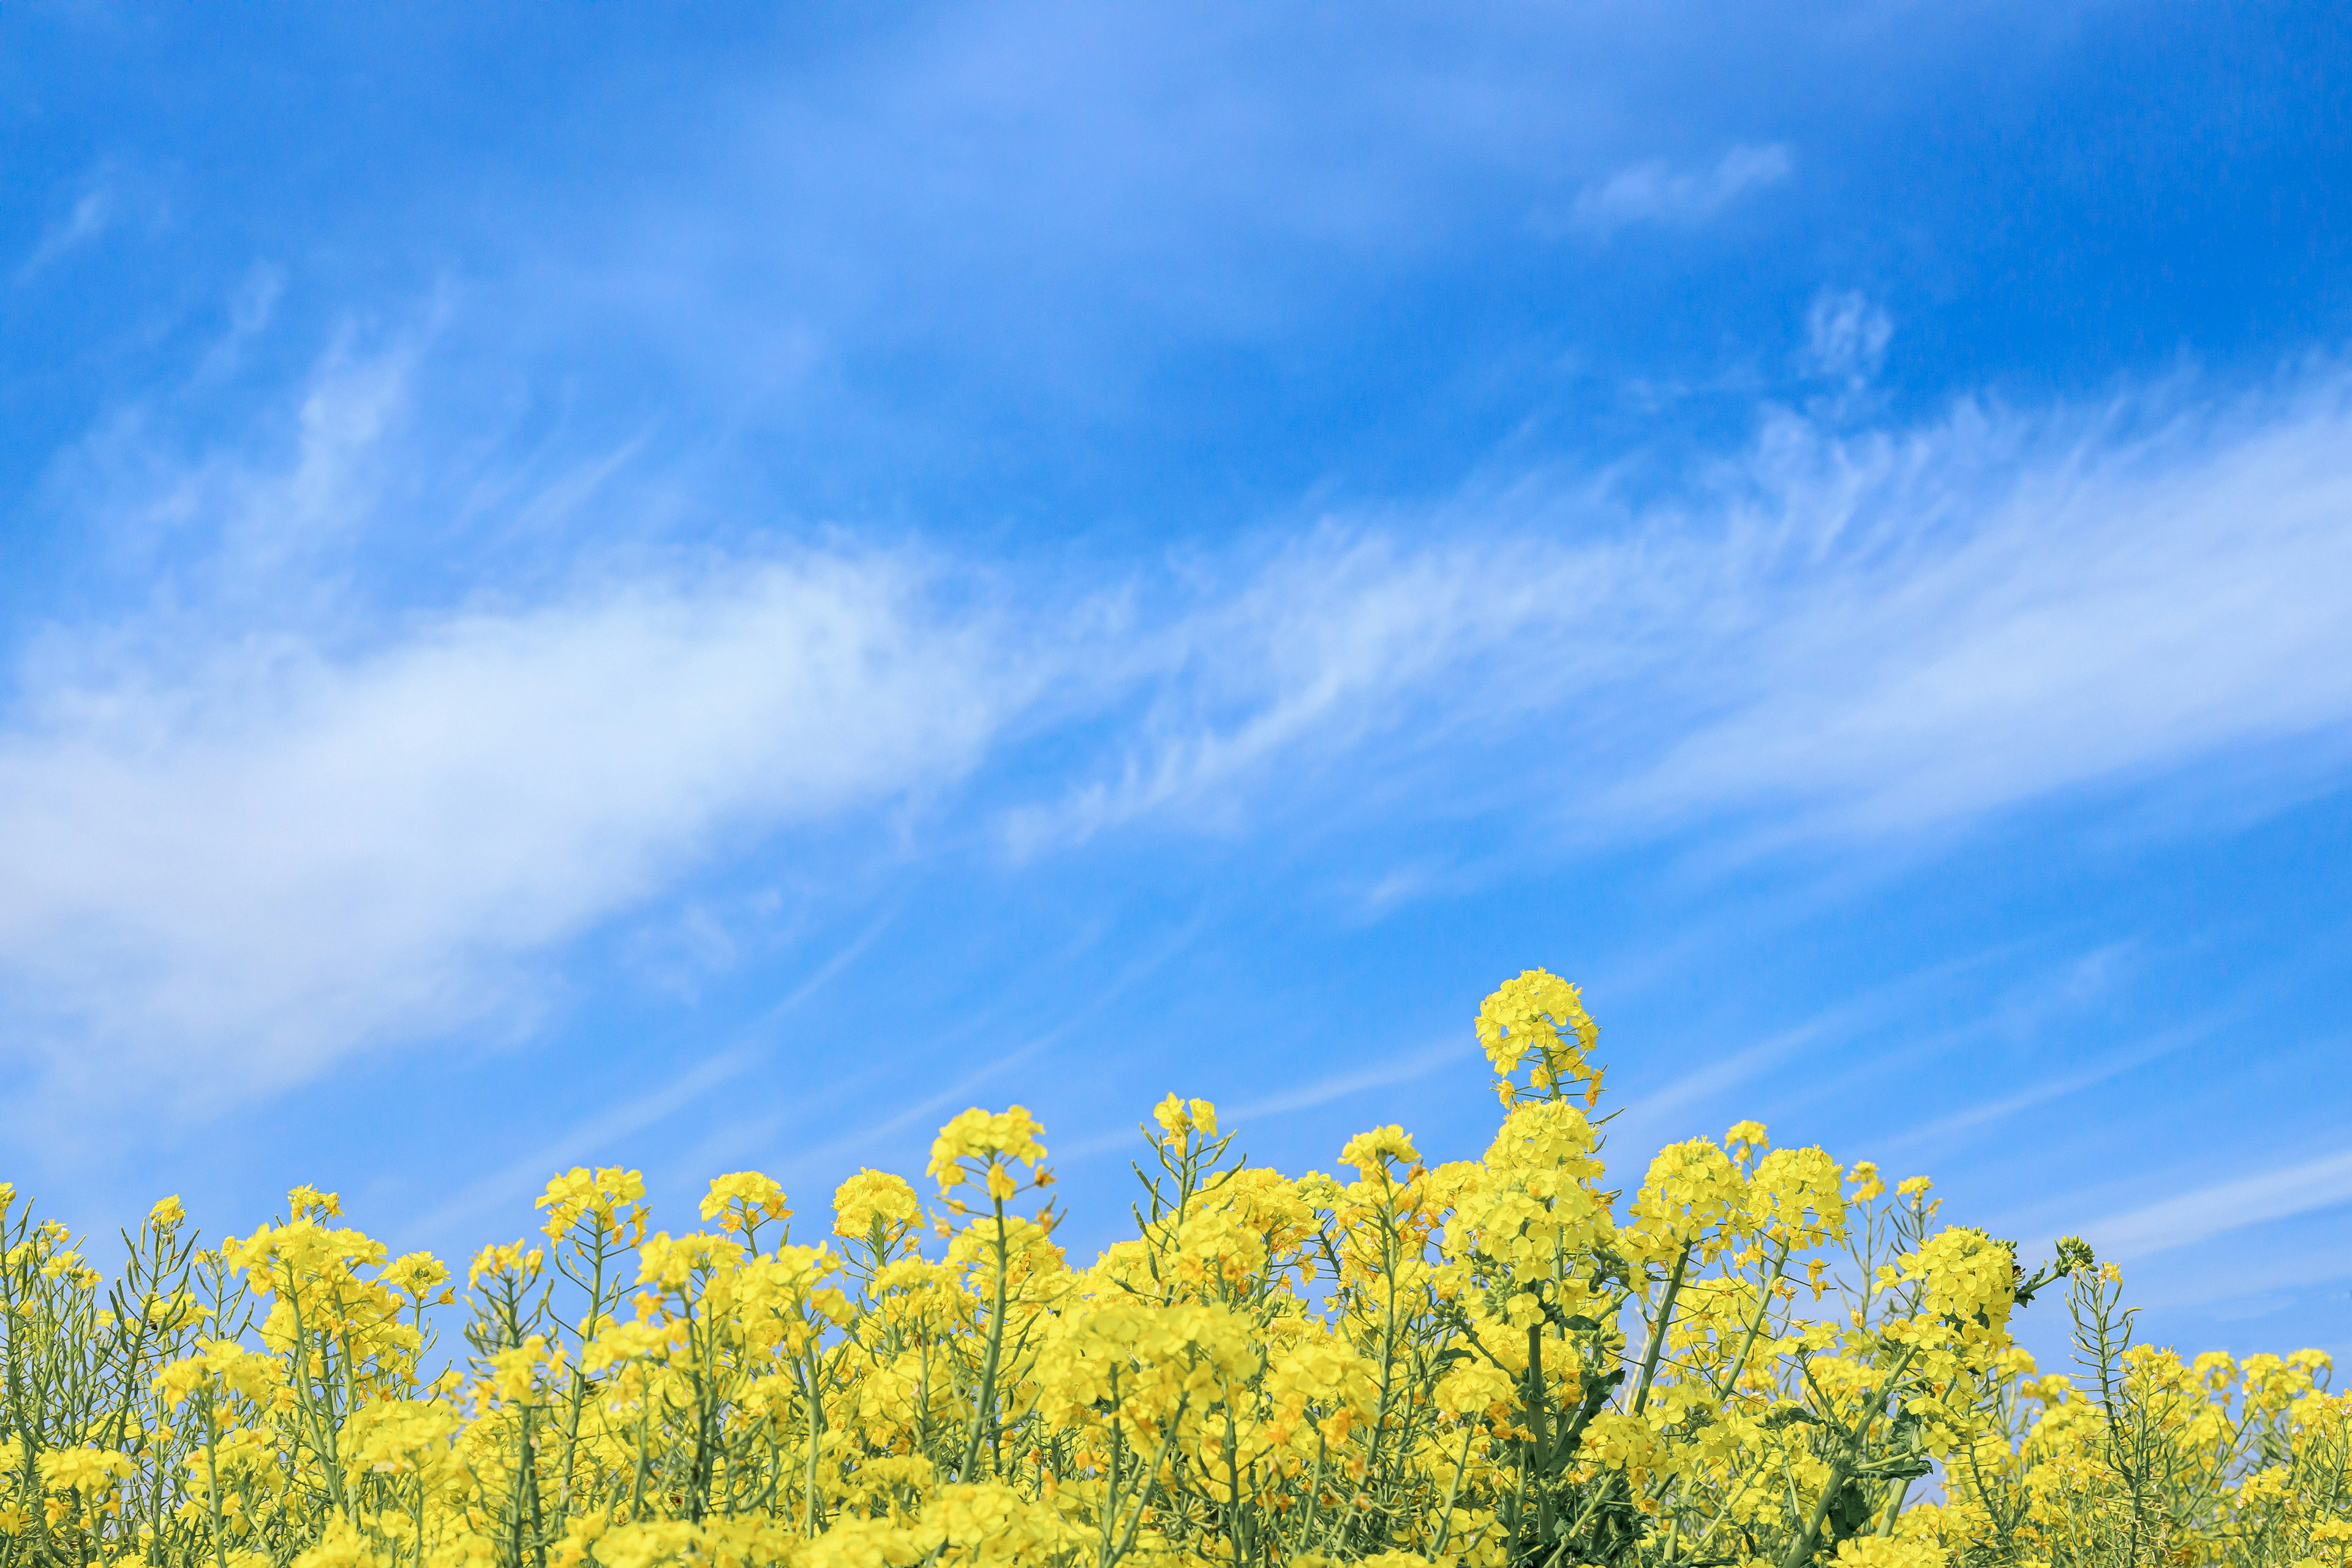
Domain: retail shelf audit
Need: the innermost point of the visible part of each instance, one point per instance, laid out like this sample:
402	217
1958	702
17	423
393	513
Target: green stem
989	1358
1658	1328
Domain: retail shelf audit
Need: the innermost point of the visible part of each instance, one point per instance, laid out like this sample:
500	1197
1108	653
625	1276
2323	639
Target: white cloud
259	820
1329	644
261	529
1836	635
90	215
245	830
1915	629
1409	1066
251	308
2203	1213
239	840
1969	1119
233	871
1845	336
1656	192
584	1140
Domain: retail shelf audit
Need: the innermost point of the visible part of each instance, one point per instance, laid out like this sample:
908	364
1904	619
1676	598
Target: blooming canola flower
1746	1357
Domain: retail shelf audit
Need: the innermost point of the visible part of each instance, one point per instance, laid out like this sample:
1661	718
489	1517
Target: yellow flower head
741	1201
1968	1279
1538	1021
1889	1552
307	1202
1179	1118
1617	1441
1372	1152
394	1436
1793	1196
979	1143
632	1342
849	1404
873	1198
417	1275
85	1470
673	1263
609	1198
511	1261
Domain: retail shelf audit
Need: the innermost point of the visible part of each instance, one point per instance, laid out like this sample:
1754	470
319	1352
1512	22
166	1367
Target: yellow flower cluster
1749	1358
1537	1022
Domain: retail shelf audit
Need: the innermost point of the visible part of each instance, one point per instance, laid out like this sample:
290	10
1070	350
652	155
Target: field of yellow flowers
1755	1358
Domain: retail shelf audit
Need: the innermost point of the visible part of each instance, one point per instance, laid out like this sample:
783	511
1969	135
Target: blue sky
706	587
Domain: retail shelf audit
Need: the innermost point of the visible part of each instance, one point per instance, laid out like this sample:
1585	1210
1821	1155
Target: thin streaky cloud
1671	1102
251	308
1076	1151
1075	1019
1639	1123
2247	1276
864	1139
2051	1001
581	1142
2106	1071
1410	1066
1668	1107
1845	635
587	1137
2203	1213
392	833
831	968
237	849
88	219
1998	609
1656	192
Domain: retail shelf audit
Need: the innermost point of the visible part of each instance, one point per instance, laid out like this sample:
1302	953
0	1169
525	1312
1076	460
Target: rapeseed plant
1751	1358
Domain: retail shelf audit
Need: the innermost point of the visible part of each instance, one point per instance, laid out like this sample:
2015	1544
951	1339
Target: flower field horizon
1741	1356
775	784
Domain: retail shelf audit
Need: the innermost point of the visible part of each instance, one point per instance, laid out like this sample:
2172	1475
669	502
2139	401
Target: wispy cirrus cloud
1970	1121
2217	1208
1845	336
1931	623
1410	1066
1836	634
238	842
92	211
1656	192
240	837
